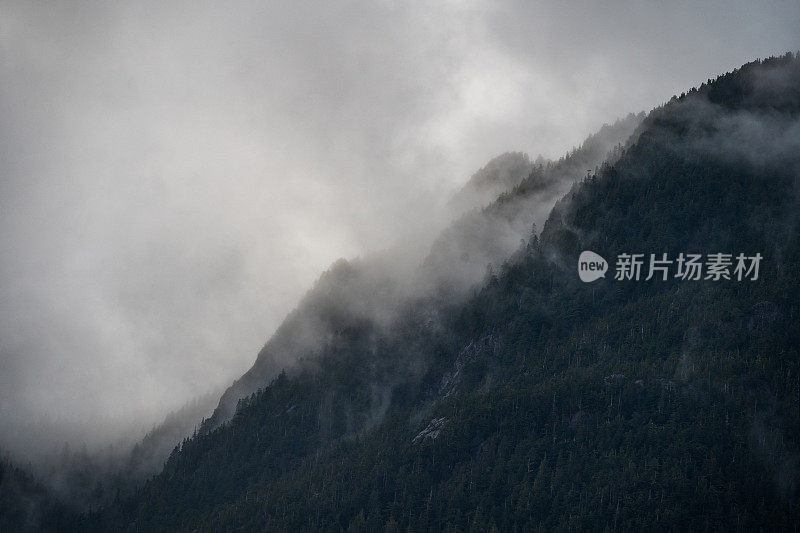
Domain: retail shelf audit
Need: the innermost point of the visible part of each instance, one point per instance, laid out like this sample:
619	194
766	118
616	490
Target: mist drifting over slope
175	176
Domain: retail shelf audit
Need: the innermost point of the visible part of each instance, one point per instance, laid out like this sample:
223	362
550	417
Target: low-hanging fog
175	175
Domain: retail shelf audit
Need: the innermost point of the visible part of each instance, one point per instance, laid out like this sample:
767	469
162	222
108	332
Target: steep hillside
373	293
540	401
460	256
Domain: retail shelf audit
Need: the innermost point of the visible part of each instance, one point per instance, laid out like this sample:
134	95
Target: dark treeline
538	402
375	294
542	402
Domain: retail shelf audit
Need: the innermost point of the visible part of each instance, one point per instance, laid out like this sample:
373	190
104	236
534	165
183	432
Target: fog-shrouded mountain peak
533	400
373	292
501	174
490	387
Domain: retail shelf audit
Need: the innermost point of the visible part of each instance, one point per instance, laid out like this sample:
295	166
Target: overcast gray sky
174	175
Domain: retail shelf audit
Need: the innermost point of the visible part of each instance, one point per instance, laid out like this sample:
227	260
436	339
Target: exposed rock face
615	379
431	431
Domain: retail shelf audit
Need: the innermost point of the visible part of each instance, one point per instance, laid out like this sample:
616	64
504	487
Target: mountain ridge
489	234
541	402
534	400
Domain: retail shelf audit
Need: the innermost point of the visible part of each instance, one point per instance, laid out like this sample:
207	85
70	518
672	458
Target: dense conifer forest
532	400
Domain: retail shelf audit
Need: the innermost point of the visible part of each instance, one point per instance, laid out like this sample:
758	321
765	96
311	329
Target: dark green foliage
25	505
541	402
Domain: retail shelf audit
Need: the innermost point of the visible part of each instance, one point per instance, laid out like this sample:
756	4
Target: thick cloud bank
174	175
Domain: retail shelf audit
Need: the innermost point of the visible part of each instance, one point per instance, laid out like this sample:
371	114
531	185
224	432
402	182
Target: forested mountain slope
542	402
356	298
373	293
